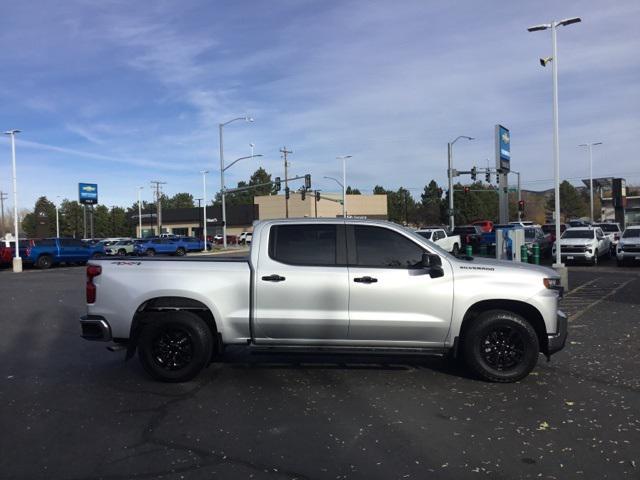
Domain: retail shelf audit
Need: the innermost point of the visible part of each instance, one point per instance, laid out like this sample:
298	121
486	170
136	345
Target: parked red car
5	254
485	225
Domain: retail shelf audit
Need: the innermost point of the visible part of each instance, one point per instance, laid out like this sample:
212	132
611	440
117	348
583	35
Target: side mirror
433	263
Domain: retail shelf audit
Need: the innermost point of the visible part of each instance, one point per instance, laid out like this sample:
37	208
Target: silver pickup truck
333	285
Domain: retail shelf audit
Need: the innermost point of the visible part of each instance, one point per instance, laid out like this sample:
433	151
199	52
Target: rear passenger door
301	285
393	301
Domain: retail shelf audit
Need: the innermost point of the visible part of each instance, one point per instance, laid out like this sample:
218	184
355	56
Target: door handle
273	278
366	279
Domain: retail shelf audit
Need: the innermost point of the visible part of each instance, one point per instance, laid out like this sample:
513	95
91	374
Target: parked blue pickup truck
50	251
160	246
192	244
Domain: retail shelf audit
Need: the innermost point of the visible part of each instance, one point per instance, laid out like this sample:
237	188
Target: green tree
42	221
180	200
379	190
71	219
353	191
429	211
401	206
479	203
572	203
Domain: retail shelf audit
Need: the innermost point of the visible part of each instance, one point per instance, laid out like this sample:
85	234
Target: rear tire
122	252
44	262
501	346
175	346
150	252
180	252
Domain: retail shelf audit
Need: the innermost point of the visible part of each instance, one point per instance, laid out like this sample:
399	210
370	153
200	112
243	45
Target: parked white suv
628	249
584	244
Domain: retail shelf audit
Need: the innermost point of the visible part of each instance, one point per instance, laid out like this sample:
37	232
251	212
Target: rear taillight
92	272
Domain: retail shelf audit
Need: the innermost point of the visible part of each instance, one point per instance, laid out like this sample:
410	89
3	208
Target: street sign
88	193
503	149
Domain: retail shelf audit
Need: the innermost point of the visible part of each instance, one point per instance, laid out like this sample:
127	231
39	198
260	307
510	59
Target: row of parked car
580	240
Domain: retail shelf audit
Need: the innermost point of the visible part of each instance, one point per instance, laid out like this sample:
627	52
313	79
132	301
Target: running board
347	350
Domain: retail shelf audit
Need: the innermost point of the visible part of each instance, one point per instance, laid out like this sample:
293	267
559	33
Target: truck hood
503	266
576	241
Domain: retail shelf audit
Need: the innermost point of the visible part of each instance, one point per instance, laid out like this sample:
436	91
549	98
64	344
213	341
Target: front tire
180	252
175	346
150	252
44	262
122	252
501	346
456	250
594	262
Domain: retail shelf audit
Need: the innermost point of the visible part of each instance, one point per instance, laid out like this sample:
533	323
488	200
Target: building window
180	231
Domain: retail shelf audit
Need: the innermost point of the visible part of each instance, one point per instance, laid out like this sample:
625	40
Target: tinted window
71	242
303	244
631	233
157	240
609	227
381	247
578	234
45	242
426	234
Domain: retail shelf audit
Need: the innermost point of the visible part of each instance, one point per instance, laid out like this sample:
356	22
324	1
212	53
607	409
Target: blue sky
121	93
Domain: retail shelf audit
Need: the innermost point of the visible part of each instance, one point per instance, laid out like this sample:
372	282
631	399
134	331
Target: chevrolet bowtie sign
88	193
503	149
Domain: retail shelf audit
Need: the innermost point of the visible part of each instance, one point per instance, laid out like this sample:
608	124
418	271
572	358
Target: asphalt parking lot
70	409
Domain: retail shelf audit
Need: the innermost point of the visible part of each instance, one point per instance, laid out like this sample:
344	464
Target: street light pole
17	261
57	219
222	169
590	146
140	212
204	207
344	183
556	136
450	175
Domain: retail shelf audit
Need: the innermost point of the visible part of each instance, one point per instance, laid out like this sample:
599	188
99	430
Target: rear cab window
308	244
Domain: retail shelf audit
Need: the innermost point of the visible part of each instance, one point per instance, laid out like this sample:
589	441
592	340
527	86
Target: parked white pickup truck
450	243
330	285
585	244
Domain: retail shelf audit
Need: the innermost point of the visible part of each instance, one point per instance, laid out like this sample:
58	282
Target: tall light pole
140	211
57	218
590	146
450	175
17	261
556	140
222	169
342	187
344	183
204	207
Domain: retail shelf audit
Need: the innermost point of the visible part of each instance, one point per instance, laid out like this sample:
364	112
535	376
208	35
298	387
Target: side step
346	350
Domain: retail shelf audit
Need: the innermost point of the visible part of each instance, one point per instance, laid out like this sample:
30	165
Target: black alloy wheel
502	348
172	349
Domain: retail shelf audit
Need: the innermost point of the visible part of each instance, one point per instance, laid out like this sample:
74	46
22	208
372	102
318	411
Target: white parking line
590	294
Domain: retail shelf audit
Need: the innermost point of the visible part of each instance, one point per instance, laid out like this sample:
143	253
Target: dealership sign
88	193
503	149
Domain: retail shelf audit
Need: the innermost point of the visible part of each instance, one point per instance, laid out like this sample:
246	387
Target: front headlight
554	284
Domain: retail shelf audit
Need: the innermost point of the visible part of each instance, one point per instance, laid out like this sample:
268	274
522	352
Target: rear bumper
96	328
556	341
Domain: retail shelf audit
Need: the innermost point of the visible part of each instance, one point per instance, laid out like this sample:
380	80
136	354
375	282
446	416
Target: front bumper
556	341
96	328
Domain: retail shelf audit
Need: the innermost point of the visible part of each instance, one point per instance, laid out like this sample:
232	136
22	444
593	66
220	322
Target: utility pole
91	221
156	184
284	153
84	212
3	197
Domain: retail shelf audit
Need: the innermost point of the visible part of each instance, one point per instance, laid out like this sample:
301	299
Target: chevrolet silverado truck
327	285
628	248
583	244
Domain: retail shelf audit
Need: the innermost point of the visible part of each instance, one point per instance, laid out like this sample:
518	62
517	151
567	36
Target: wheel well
144	314
526	311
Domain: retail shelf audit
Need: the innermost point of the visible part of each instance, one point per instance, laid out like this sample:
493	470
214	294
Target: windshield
529	233
631	233
578	234
608	227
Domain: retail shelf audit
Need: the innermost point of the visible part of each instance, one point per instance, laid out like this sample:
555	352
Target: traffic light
474	173
317	195
521	205
286	193
487	176
303	194
277	184
466	190
307	181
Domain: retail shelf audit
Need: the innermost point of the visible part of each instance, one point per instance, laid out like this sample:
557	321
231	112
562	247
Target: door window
303	244
71	242
383	248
